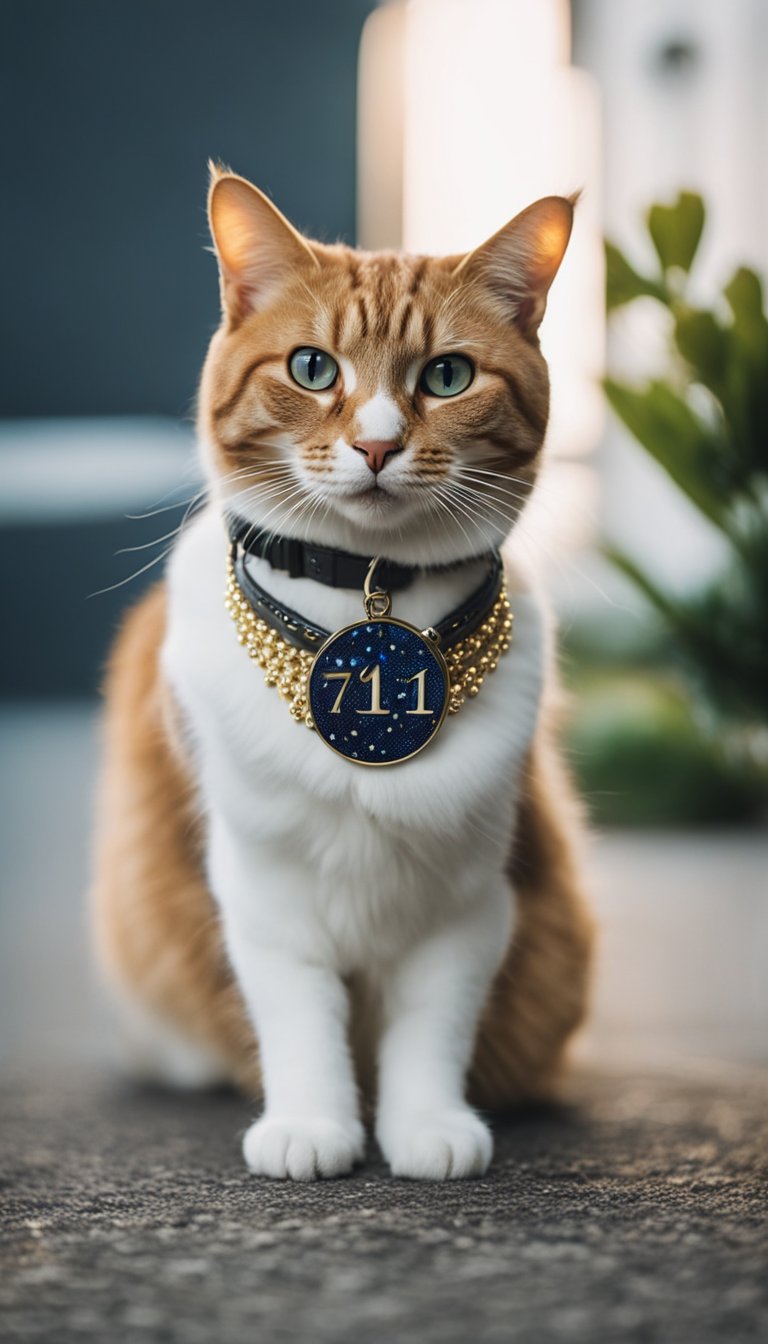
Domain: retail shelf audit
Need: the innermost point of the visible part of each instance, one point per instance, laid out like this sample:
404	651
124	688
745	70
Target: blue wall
110	109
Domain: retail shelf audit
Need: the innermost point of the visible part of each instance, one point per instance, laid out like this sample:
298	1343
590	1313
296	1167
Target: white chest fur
370	857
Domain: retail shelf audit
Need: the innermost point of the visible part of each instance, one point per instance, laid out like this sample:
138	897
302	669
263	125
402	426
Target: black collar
459	623
326	564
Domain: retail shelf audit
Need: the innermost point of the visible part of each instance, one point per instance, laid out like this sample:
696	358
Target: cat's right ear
256	246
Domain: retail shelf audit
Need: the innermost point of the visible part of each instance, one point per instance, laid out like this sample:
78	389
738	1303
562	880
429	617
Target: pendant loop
377	603
369	576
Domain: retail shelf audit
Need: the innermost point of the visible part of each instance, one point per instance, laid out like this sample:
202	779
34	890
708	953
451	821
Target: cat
407	945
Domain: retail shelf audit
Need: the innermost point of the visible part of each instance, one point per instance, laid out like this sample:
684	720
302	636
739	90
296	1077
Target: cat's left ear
519	263
258	249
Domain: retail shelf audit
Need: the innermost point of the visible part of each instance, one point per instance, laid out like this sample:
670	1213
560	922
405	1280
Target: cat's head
372	400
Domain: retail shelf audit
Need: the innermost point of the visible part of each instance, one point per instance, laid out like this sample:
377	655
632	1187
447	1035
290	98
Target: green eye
313	369
447	376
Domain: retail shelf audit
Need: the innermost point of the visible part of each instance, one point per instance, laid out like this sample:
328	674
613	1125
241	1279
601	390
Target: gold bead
287	667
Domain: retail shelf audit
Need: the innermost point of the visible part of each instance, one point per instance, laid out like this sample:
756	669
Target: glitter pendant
378	689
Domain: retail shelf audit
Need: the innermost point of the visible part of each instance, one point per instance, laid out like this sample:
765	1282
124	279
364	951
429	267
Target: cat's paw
437	1145
302	1149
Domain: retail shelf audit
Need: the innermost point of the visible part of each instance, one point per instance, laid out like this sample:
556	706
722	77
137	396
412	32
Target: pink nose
376	451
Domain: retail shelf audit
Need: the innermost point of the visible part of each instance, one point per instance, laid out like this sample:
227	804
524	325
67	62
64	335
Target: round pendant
378	691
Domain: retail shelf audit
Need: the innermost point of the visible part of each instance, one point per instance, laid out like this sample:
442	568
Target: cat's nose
377	451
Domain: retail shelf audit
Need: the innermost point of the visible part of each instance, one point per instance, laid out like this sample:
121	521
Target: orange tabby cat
326	936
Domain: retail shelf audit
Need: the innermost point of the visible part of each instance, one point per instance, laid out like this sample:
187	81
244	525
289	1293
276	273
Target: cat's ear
256	246
519	263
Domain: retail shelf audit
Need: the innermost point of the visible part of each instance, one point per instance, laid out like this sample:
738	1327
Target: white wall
684	89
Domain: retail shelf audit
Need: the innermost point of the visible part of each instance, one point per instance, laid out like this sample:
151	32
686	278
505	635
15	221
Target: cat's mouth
375	505
375	495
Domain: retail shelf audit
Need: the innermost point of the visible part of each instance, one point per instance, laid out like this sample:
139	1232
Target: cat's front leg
432	1002
310	1126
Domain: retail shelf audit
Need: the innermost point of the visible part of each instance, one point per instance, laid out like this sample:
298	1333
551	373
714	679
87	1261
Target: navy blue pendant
378	691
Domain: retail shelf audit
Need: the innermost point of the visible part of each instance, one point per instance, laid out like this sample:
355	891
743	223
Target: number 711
372	674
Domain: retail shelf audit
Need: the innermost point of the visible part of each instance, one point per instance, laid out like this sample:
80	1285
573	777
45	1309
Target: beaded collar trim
467	660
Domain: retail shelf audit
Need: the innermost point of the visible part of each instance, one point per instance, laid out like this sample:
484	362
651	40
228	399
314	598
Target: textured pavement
635	1211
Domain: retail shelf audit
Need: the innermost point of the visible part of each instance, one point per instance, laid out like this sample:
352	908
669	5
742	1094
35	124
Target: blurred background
424	125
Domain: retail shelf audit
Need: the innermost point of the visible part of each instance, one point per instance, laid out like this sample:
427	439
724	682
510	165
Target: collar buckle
321	565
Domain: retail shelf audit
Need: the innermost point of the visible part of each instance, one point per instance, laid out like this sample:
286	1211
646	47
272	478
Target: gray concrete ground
634	1211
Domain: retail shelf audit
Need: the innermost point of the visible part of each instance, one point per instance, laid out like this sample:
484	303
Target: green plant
642	760
706	424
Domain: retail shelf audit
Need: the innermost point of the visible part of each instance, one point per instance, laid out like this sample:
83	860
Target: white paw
298	1149
437	1145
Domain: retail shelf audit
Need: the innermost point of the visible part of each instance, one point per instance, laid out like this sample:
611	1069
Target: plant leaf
676	230
704	344
745	389
623	283
745	296
675	436
721	630
632	570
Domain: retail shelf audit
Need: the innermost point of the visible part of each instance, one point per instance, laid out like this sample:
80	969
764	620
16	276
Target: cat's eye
313	369
446	376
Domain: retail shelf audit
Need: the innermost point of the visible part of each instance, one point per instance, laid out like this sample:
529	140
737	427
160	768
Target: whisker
445	510
467	513
300	489
121	582
166	508
463	475
319	499
500	475
445	505
473	491
481	512
145	545
482	504
507	519
543	489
